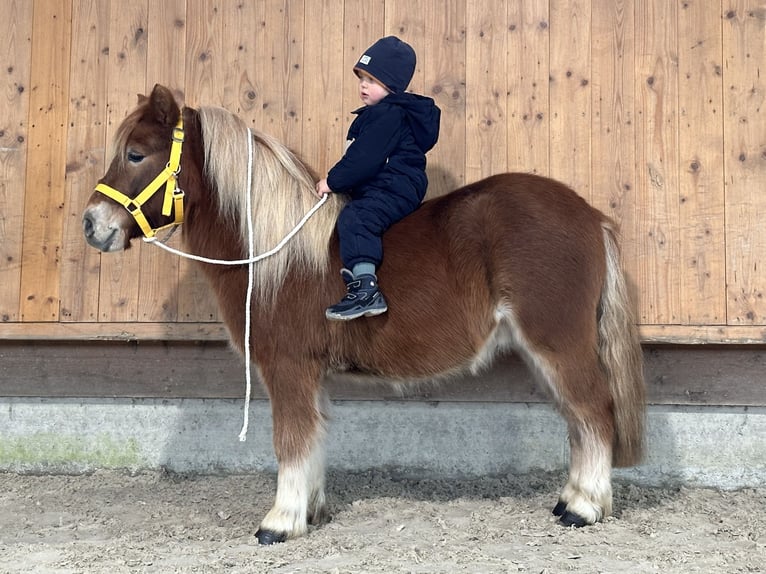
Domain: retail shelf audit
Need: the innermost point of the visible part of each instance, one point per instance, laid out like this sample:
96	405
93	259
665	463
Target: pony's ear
142	99
164	106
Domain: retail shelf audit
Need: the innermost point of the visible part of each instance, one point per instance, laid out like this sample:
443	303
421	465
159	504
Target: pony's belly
432	354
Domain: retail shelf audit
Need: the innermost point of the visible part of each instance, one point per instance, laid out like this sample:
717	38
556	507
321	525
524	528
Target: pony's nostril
87	225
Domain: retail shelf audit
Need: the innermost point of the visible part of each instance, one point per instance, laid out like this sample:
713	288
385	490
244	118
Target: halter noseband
174	196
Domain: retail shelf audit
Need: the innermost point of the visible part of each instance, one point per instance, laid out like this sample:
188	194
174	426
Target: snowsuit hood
423	116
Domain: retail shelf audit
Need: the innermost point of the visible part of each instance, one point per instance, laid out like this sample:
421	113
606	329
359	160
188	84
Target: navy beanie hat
390	61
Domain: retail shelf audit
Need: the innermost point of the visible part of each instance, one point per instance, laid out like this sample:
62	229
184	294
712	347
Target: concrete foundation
707	446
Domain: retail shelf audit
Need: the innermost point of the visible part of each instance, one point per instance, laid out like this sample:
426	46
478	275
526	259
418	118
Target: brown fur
513	262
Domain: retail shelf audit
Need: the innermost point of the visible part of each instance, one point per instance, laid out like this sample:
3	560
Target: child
382	170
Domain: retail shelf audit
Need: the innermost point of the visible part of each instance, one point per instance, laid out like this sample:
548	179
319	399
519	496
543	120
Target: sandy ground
113	522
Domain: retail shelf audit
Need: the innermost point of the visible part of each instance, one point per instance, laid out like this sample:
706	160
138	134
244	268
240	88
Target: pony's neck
205	231
280	194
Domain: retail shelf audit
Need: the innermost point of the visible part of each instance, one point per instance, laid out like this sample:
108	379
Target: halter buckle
178	134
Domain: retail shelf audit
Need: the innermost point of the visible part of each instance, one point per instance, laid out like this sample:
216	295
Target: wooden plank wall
652	110
675	375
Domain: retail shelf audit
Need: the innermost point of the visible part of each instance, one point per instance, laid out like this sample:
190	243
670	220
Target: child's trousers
366	217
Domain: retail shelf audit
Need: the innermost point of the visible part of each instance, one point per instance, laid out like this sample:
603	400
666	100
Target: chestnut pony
514	262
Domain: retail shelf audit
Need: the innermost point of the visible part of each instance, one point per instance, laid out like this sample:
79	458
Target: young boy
383	170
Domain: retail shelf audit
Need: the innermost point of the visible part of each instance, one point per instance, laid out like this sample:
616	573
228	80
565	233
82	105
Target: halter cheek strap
174	196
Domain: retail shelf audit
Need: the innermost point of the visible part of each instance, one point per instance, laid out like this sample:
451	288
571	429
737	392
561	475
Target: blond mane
122	135
282	193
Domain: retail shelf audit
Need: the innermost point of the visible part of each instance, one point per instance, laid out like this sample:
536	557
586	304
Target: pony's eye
135	157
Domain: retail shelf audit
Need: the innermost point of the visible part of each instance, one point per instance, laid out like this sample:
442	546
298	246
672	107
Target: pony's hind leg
299	433
587	496
582	395
587	407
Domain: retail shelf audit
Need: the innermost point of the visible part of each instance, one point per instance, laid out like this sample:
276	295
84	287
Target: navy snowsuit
383	171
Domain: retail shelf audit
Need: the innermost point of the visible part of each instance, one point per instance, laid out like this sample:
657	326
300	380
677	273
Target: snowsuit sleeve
373	142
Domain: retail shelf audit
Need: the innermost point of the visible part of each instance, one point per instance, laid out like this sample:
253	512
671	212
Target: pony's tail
620	353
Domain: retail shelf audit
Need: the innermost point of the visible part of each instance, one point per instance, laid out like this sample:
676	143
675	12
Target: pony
512	263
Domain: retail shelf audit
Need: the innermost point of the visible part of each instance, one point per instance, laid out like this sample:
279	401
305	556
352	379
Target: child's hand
322	188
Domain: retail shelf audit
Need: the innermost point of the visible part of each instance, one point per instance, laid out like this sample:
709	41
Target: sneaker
363	298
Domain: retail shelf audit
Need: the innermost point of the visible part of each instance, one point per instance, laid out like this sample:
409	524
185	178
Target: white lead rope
249	296
250	262
254	259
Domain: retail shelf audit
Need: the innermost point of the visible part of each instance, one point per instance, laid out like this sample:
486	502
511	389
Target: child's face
370	91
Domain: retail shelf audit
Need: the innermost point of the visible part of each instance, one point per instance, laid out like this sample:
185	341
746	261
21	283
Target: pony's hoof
267	537
571	519
560	508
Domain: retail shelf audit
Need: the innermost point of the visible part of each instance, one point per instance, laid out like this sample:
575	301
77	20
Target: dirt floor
113	522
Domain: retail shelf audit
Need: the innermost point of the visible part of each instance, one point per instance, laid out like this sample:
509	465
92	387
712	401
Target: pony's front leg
299	431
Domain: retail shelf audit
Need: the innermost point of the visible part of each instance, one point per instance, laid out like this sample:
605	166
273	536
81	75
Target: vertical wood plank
744	49
265	18
700	138
119	281
46	161
243	23
445	79
486	89
280	66
323	129
15	61
85	157
570	93
165	55
613	135
206	67
528	86
656	91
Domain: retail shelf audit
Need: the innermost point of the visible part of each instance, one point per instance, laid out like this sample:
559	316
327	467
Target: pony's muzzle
102	230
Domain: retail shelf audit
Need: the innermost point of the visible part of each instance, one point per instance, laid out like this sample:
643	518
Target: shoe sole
365	313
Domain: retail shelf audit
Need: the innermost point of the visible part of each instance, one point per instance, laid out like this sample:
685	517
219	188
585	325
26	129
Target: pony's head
138	194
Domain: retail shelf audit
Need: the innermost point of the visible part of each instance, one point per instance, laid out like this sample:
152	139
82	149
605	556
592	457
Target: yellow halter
174	196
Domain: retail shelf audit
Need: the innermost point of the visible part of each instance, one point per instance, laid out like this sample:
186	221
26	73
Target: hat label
365	59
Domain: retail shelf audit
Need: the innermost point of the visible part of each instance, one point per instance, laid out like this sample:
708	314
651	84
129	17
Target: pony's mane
122	135
282	193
